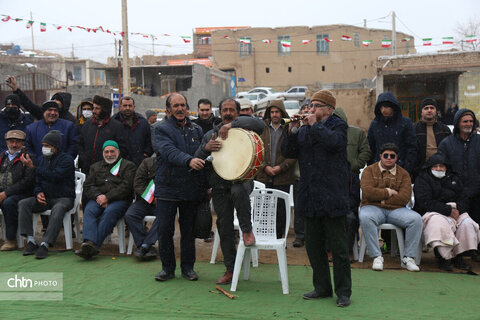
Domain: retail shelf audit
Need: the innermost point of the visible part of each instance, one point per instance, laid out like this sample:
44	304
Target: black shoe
190	275
445	264
343	301
87	250
315	295
459	263
140	253
164	275
30	249
42	252
298	243
150	255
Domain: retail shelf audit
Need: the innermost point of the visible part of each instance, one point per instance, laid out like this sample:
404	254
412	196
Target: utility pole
73	52
126	62
394	36
153	46
119	67
364	23
31	28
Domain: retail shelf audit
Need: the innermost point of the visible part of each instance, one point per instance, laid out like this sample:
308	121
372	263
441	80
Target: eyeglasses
389	155
318	105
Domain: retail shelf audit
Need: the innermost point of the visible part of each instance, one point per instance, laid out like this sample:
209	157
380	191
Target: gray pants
58	207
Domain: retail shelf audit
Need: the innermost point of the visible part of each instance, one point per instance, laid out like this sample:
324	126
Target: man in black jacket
54	190
18	166
206	119
429	133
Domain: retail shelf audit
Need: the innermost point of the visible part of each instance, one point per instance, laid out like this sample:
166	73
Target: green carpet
122	288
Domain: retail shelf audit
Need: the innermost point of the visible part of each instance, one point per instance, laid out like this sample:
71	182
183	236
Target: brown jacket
374	184
287	175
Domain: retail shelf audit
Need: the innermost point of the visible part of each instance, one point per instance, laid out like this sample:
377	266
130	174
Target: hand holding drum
213	145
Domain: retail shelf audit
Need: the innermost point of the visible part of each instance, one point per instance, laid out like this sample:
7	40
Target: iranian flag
386	43
69	29
57	27
205	38
226	37
116	168
470	39
267	41
447	40
346	38
186	39
148	193
306	41
427	41
245	41
366	43
327	40
29	24
43	27
101	28
7	18
406	39
286	43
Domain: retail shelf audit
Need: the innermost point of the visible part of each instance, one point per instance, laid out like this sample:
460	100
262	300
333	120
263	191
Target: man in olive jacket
109	190
277	171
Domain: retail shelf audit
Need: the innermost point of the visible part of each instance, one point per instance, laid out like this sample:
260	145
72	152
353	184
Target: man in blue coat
323	193
177	186
391	126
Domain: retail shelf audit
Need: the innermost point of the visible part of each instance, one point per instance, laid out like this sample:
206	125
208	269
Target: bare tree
468	28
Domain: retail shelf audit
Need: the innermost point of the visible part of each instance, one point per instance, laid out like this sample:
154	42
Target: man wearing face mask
109	191
462	150
11	118
54	190
100	128
51	121
84	112
16	183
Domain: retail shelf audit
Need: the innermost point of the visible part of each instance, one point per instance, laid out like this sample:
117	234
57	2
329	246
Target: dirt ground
295	256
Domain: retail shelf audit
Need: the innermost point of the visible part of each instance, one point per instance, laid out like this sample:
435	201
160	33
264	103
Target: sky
420	18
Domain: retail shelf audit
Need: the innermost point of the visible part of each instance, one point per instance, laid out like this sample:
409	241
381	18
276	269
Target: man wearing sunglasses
386	190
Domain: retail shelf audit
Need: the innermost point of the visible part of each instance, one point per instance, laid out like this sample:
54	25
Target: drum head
235	156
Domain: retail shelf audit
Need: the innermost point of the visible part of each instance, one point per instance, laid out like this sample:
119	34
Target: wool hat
15	134
53	138
150	113
325	96
110	143
105	103
13	99
50	104
429	102
245	103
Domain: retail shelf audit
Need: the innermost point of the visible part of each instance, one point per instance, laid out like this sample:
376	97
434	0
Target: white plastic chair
67	222
3	228
292	206
130	238
264	228
236	226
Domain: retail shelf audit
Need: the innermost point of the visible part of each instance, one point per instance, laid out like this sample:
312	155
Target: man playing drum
229	195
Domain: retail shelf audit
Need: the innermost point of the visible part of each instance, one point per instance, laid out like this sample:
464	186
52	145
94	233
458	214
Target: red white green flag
447	40
427	41
69	29
116	168
366	43
406	39
29	24
327	40
205	38
226	37
286	43
267	41
149	191
43	27
346	38
306	41
471	38
386	43
245	41
57	27
6	18
186	39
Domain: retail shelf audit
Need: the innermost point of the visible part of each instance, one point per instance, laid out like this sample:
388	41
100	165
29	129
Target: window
284	45
78	73
323	46
301	89
267	70
323	68
245	47
204	40
289	69
356	39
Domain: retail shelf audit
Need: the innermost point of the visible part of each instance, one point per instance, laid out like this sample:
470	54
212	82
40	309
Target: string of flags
385	43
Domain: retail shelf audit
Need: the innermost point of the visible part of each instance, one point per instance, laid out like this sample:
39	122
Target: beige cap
245	103
15	134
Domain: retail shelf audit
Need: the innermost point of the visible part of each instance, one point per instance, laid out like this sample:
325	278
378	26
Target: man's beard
111	161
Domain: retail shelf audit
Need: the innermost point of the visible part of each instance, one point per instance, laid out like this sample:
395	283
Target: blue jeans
134	220
372	216
98	223
9	208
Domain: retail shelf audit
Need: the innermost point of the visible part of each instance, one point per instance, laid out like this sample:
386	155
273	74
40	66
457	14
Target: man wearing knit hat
462	150
54	190
51	121
430	133
323	193
151	116
12	118
108	190
96	131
